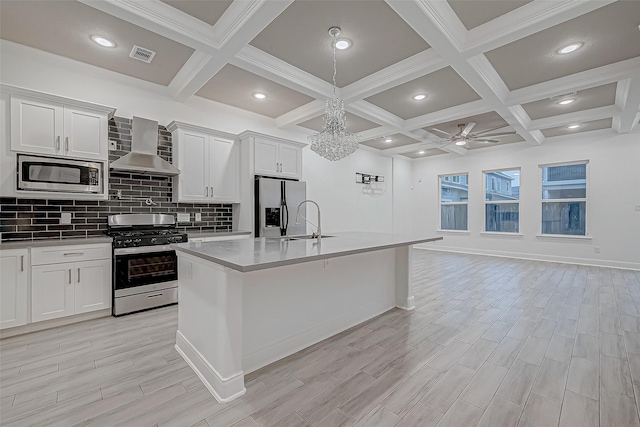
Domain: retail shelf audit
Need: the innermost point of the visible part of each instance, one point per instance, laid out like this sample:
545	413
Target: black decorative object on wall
26	219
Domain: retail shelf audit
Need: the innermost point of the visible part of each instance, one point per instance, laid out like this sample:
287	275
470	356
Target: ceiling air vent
142	54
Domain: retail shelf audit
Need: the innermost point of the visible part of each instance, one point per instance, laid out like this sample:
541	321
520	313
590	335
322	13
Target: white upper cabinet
54	126
275	158
14	269
209	165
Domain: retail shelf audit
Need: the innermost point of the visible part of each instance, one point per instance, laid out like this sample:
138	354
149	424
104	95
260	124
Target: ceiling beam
300	114
524	21
441	33
416	66
459	111
628	100
579	81
576	117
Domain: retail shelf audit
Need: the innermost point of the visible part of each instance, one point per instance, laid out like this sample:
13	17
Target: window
564	199
454	196
502	201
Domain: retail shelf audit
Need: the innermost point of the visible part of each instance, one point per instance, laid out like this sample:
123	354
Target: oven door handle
142	250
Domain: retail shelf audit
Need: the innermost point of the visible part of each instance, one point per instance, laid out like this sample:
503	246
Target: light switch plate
184	217
198	217
65	218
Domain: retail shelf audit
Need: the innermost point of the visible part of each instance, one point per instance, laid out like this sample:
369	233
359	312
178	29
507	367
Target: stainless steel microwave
61	175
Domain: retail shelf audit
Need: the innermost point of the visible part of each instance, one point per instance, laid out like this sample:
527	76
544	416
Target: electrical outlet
596	249
184	217
113	144
65	218
198	217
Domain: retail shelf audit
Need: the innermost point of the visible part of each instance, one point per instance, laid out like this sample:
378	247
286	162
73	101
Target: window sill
454	231
501	233
564	236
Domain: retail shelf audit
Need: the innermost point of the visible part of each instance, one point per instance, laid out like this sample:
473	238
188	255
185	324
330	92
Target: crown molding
375	114
184	84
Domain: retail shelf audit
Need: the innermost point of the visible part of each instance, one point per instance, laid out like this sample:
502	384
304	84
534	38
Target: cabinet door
85	134
224	170
13	287
266	158
290	161
52	291
36	126
194	167
92	285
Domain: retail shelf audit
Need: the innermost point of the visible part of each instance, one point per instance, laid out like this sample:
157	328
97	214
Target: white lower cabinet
93	285
14	287
60	289
52	291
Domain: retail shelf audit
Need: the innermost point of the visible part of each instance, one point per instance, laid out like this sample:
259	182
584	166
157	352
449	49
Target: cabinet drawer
57	254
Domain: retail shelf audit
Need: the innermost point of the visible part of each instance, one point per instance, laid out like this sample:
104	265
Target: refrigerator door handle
286	221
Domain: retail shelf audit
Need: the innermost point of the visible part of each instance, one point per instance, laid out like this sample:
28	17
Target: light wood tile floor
492	342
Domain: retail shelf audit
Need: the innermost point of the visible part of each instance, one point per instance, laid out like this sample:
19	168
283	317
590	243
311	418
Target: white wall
331	184
345	205
613	192
402	195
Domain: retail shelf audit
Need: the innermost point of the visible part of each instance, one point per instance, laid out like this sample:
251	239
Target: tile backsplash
27	219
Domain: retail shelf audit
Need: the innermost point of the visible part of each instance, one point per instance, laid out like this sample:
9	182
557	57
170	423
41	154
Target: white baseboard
294	343
538	257
223	389
407	304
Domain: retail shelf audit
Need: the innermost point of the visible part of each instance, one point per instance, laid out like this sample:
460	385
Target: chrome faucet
318	232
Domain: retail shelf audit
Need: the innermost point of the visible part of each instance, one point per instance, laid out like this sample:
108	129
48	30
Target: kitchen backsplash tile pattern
26	219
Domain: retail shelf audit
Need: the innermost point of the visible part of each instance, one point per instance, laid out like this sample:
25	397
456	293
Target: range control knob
136	242
153	240
128	242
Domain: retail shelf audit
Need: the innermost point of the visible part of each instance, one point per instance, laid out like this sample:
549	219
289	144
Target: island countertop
263	253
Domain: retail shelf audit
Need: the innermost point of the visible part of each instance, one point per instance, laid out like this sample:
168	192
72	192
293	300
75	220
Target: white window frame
449	178
576	199
497	202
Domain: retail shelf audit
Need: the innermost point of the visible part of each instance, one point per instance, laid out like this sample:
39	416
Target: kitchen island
247	303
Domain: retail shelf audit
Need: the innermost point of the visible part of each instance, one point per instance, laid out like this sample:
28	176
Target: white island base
231	323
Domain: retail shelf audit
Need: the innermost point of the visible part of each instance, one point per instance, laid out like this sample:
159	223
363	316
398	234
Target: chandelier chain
335	68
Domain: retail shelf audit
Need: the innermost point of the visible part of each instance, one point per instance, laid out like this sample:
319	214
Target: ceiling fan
464	135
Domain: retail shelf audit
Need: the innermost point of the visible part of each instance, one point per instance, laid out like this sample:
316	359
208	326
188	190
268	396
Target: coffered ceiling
494	63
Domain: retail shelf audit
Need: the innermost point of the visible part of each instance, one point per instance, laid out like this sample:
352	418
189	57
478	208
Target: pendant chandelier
334	142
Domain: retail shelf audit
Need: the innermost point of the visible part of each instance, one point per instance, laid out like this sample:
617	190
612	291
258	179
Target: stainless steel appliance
145	268
276	201
37	173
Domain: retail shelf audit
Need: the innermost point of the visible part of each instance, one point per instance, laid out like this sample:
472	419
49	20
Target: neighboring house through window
454	198
564	199
502	201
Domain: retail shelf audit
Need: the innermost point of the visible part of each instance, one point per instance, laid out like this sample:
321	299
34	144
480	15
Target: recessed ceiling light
259	95
102	41
461	142
421	152
573	126
343	44
419	97
388	140
570	48
566	101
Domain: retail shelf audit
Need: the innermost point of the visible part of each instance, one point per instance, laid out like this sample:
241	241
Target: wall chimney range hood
143	157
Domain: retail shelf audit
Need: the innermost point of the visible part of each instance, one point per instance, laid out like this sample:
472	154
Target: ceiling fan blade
496	134
441	131
491	130
467	129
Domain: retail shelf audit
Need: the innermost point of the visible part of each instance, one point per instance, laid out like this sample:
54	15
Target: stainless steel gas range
145	268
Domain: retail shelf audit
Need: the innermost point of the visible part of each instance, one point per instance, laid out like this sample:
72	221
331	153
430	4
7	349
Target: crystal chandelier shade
334	142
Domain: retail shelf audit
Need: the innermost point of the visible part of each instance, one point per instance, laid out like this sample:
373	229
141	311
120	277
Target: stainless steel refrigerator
276	203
